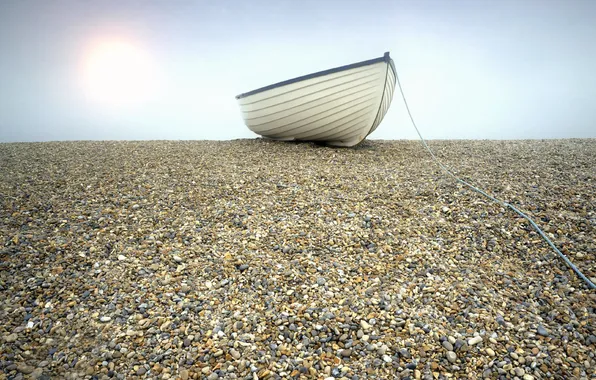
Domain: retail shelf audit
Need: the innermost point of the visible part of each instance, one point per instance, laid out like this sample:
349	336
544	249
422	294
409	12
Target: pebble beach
257	259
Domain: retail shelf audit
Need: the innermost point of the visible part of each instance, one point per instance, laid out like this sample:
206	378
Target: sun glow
118	73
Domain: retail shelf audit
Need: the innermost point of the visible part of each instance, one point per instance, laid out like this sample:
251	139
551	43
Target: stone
475	340
24	368
542	331
451	356
37	373
184	374
448	346
242	267
235	354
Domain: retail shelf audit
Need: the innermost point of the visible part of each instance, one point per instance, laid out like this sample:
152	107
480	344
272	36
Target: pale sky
477	69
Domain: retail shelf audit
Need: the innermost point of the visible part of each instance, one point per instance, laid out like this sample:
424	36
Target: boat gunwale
384	58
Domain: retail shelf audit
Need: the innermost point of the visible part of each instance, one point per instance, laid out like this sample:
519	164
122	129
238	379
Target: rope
505	204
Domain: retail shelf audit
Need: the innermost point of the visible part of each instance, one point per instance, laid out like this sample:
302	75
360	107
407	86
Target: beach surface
255	259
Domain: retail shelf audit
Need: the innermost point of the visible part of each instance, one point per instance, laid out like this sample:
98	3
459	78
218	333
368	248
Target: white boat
338	107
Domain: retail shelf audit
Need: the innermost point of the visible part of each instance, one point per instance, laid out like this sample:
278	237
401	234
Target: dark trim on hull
380	104
384	58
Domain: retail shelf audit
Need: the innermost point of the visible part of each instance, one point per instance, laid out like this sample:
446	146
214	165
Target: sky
477	69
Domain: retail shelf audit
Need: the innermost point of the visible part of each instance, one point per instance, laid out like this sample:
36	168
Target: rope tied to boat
496	200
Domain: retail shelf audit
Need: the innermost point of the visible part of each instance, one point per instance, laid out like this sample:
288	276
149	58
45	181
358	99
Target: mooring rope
505	204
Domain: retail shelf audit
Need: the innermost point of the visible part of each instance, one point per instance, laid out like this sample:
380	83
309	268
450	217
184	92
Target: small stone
235	354
448	346
459	344
321	281
177	258
24	368
490	352
405	353
121	257
184	374
218	353
542	331
37	373
213	376
387	359
141	371
475	340
11	338
365	325
242	267
105	319
528	377
519	371
451	356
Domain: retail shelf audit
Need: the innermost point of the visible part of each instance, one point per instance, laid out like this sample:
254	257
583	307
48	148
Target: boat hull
338	107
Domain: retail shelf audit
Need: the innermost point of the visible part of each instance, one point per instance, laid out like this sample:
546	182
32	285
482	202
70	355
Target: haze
470	69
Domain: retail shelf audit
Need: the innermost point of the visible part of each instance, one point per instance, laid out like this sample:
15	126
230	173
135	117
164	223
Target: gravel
253	258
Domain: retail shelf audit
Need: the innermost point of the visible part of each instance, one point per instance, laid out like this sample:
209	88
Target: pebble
490	352
542	331
475	340
519	371
184	374
105	319
26	369
448	346
242	267
451	356
365	325
37	373
11	338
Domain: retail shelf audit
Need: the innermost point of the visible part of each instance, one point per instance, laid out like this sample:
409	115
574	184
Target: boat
337	107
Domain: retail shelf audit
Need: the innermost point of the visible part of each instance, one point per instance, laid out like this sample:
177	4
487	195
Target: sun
118	73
